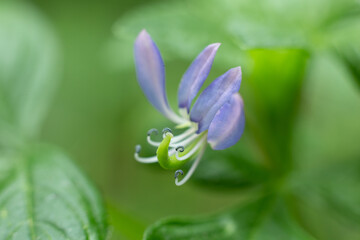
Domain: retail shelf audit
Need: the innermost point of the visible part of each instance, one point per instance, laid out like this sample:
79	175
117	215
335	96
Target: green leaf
265	219
28	62
44	196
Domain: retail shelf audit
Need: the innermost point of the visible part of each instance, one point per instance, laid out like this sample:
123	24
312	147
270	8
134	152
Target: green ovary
170	162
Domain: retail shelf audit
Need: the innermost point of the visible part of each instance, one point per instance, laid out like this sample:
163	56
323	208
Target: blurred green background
100	109
301	78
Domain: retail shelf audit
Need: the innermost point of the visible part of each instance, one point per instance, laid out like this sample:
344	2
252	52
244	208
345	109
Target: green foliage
239	25
233	168
330	207
271	114
27	70
351	57
124	224
262	219
300	150
297	165
42	194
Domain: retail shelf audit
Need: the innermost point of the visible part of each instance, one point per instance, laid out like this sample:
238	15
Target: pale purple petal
214	97
195	76
228	124
150	73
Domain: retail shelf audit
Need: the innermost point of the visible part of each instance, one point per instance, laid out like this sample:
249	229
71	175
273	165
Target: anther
180	149
151	131
178	172
166	130
137	148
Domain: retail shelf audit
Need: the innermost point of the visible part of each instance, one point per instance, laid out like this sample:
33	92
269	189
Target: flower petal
228	124
150	73
195	76
214	97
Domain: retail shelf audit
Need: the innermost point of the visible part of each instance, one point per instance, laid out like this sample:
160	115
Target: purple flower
217	116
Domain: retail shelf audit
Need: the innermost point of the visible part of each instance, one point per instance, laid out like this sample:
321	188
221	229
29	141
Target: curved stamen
174	141
179	149
151	142
178	172
137	148
191	170
153	130
142	159
166	130
148	138
191	152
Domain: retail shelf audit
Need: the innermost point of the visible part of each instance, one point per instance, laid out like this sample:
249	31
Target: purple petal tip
215	45
143	34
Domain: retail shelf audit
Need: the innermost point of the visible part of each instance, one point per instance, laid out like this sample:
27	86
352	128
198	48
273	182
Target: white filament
187	141
191	170
145	159
152	159
174	141
183	135
192	151
151	142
